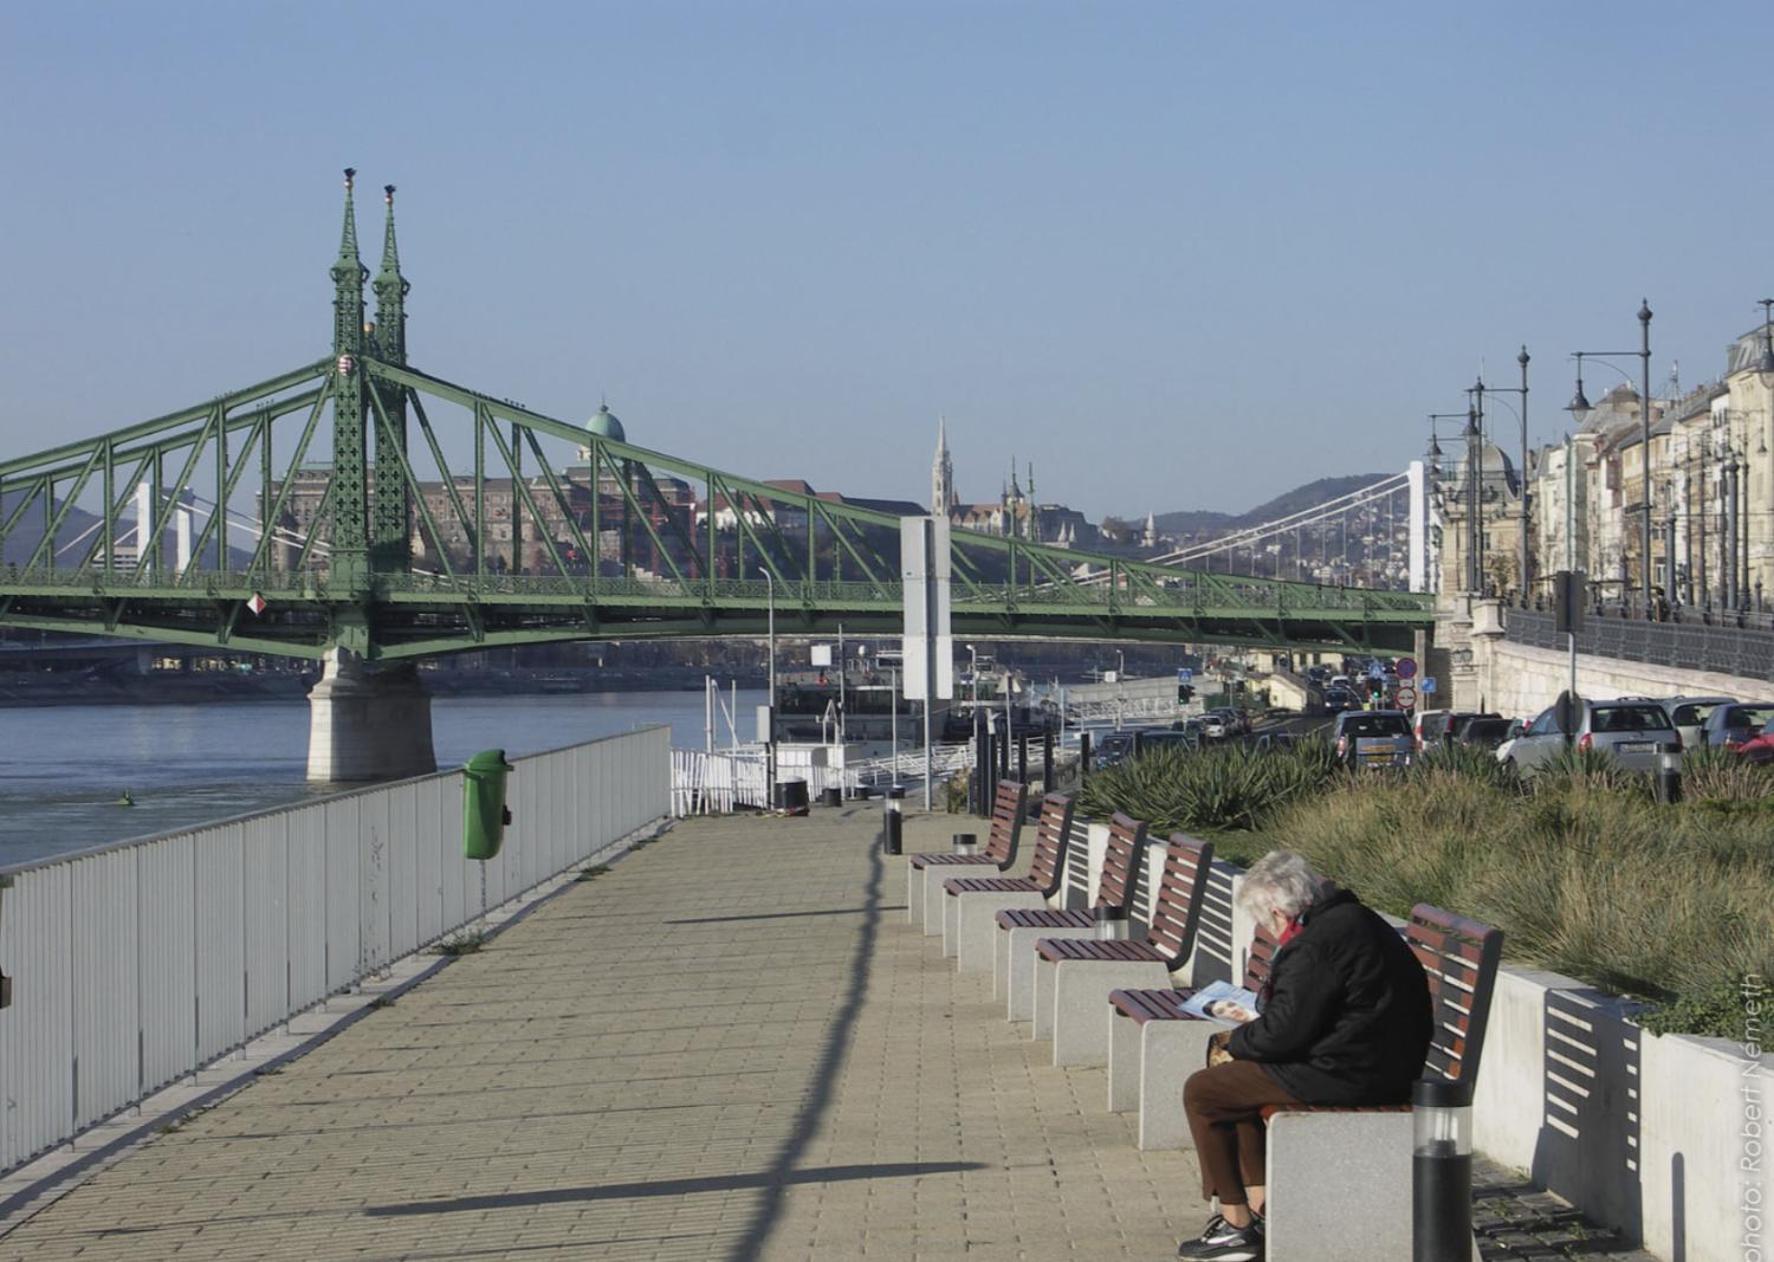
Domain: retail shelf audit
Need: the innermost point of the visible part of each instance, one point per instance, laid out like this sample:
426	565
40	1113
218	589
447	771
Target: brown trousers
1224	1106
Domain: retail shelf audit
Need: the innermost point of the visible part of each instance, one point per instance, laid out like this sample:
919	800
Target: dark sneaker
1220	1241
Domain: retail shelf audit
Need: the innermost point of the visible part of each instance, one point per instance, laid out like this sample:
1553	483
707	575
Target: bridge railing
1747	652
136	963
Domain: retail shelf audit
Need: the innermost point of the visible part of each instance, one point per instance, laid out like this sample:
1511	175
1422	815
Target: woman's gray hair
1280	881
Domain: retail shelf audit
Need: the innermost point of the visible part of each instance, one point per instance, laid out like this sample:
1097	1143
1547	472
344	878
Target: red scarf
1290	933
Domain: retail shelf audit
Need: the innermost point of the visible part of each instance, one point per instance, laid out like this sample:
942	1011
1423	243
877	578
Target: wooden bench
923	895
1330	1167
1154	1046
1073	974
1018	929
970	902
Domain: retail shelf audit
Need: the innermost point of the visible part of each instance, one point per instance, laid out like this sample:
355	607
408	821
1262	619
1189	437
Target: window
1544	724
1628	718
1375	725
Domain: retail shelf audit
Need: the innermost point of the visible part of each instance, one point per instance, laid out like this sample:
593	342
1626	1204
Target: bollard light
1111	922
893	821
1669	773
964	843
1441	1172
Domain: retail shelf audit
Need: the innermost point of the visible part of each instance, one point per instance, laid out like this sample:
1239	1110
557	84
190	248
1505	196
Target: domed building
603	424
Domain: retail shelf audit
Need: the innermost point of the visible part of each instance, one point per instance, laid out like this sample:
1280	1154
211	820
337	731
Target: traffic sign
1427	687
1184	674
1376	671
1407	698
1407	668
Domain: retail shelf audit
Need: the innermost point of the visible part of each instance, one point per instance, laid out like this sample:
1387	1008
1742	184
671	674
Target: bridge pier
366	724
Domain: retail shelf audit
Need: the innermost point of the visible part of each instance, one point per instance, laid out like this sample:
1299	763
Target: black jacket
1347	1017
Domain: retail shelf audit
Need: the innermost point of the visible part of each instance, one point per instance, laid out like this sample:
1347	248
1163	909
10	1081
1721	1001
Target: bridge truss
368	505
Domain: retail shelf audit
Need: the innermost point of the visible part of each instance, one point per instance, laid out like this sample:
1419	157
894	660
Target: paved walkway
730	1046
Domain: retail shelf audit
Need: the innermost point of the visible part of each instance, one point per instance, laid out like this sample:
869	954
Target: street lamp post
1579	404
1523	557
770	742
1474	504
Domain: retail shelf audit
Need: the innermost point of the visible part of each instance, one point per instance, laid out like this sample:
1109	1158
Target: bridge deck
730	1046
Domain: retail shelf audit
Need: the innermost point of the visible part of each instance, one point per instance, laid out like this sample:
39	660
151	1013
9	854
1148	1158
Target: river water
63	769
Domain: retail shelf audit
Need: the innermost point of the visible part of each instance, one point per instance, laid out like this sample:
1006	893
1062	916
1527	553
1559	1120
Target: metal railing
136	963
1747	652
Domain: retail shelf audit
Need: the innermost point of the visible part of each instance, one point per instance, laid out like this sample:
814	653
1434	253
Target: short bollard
832	796
964	843
1669	773
1111	922
1441	1172
893	822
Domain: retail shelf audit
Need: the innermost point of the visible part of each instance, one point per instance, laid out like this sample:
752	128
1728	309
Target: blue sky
1177	254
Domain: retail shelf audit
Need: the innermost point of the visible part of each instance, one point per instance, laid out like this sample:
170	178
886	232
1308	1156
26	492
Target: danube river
64	769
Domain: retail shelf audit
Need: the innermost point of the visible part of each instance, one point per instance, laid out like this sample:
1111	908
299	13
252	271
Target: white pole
843	667
770	745
929	771
893	701
733	717
708	714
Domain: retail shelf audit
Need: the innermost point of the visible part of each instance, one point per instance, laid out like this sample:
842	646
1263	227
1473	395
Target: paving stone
729	1046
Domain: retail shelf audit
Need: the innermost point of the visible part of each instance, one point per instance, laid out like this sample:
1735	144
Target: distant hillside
1200	521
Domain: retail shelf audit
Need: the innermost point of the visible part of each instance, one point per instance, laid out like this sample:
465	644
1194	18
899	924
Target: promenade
730	1045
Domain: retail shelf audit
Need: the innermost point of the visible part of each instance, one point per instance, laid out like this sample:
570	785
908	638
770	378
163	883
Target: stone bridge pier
368	723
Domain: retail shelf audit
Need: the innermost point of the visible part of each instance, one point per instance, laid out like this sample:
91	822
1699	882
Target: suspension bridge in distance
359	510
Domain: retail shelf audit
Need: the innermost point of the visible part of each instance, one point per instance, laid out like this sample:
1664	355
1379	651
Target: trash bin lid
488	761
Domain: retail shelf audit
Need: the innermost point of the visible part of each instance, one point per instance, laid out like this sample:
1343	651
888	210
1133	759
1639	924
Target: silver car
1630	731
1689	714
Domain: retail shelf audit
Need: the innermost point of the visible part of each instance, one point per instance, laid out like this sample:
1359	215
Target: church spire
391	292
348	275
942	473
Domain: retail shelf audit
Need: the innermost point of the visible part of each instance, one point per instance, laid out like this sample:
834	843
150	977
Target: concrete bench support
970	923
1169	1052
1080	991
1341	1186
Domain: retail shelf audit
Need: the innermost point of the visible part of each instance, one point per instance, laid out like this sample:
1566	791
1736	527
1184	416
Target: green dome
605	425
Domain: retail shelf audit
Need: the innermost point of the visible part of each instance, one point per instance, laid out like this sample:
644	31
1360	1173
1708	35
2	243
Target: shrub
1213	789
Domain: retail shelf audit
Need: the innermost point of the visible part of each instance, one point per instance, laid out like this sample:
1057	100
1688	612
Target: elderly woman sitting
1343	1020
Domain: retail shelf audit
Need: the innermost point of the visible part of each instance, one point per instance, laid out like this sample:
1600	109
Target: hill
1204	521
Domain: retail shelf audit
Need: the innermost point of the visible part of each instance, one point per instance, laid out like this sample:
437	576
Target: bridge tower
367	723
391	541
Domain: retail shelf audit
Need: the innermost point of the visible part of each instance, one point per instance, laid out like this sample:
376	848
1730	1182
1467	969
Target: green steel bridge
360	503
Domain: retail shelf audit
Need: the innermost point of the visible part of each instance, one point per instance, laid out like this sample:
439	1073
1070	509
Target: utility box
484	813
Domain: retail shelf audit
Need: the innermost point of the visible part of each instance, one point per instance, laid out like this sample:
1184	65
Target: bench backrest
1052	831
1177	910
1259	961
1007	823
1461	957
1127	841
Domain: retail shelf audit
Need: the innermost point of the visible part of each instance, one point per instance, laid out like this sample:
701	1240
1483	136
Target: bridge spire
391	547
391	291
349	563
348	275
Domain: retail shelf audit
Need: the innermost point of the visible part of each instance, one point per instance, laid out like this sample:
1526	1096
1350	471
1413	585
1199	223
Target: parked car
1488	732
1758	751
1458	724
1428	720
1730	726
1435	726
1373	738
1629	731
1111	748
1689	714
1213	726
1337	700
1166	738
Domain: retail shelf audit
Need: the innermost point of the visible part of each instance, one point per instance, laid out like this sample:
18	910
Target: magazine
1223	1002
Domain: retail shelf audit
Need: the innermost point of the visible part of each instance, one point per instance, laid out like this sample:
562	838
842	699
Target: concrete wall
1662	1137
1491	673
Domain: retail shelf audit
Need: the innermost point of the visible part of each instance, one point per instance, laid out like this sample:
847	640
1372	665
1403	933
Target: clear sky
1178	254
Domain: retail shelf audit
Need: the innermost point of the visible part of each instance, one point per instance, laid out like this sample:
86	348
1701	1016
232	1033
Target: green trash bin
484	813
